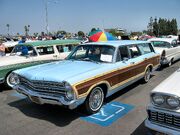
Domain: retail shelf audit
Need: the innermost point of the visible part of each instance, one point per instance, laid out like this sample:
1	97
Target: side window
174	43
134	51
145	48
123	53
65	48
45	50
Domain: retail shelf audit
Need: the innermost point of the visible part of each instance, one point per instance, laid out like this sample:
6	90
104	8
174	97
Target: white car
168	48
164	109
33	53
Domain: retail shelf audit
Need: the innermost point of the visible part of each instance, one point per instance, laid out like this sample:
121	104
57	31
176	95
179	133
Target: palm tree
7	25
26	29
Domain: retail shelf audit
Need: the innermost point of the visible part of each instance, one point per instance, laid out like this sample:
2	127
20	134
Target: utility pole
46	9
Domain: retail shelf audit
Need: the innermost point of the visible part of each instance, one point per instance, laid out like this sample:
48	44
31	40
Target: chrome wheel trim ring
96	99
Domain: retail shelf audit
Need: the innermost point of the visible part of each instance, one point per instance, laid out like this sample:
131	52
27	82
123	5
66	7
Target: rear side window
123	53
161	44
145	48
65	48
45	50
134	51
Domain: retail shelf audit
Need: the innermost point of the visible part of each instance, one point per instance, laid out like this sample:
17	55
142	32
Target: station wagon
89	74
164	108
33	53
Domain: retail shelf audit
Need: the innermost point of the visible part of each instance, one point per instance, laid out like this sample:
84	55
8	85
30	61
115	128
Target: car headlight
173	102
13	79
69	91
158	99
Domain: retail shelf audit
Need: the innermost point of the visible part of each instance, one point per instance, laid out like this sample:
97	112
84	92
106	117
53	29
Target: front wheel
147	75
94	100
9	82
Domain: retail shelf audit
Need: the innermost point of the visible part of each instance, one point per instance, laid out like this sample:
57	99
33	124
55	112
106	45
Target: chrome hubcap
148	75
96	99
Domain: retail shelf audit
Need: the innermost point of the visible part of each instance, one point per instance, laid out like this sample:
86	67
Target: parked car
33	53
168	48
90	73
164	109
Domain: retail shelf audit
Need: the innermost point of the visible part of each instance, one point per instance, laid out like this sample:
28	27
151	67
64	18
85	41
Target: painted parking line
109	113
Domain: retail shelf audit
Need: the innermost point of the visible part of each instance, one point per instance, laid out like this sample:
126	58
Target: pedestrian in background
2	48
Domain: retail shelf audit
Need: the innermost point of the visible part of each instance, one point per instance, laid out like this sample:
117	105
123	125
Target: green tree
155	27
174	27
150	27
81	34
93	29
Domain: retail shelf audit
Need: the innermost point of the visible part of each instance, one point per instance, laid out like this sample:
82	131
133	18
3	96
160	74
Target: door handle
132	62
145	58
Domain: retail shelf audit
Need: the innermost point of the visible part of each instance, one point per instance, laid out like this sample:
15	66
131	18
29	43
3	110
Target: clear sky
75	15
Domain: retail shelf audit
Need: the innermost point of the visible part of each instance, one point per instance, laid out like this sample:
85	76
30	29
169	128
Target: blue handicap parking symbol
109	113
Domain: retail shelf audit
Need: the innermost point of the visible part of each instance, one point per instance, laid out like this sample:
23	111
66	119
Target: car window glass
134	51
45	50
123	53
98	53
23	50
64	48
145	48
161	44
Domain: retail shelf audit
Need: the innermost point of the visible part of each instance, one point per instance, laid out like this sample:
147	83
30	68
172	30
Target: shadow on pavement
142	130
55	114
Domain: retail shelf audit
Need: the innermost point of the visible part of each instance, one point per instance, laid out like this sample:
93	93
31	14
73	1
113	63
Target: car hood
170	86
10	60
59	71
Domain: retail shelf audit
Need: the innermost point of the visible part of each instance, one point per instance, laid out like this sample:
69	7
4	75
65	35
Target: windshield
161	44
96	53
22	50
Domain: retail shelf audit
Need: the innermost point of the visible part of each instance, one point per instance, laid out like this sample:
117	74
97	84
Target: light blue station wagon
89	74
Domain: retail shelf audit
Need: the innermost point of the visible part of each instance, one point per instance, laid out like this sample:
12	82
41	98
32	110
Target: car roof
117	43
169	40
52	42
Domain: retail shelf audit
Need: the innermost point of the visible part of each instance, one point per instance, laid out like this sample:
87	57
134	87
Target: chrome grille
44	87
164	118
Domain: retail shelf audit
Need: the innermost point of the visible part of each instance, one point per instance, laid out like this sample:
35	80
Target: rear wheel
147	75
95	100
170	63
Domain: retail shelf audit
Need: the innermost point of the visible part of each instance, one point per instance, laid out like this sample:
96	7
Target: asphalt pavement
19	116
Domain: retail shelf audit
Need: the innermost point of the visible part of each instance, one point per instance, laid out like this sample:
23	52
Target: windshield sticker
106	58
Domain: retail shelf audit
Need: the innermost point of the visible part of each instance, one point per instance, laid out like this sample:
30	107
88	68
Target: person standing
2	48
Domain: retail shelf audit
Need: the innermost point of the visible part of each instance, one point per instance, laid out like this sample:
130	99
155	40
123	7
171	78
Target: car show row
68	73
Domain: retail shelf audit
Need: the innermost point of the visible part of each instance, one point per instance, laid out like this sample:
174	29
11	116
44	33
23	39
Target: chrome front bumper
40	98
162	127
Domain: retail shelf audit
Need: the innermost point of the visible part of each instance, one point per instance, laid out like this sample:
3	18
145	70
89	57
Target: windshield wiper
88	59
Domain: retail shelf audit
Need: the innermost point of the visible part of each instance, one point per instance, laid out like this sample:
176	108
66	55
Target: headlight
69	91
13	79
173	102
158	99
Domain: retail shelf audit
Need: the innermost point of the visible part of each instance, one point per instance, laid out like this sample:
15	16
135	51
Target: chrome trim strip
48	99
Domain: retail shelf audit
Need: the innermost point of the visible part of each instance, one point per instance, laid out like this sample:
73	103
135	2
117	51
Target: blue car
90	73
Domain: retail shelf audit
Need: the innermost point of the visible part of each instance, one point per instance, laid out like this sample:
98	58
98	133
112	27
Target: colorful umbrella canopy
101	36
